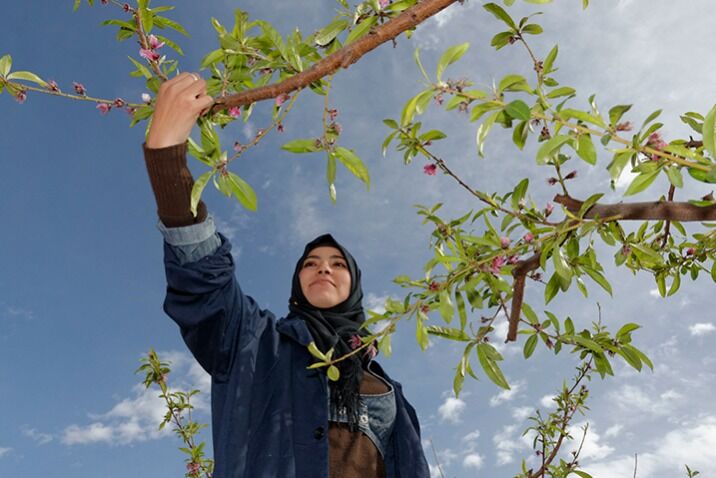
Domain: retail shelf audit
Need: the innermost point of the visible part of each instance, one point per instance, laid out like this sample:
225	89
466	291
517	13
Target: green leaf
416	57
486	354
561	91
450	56
501	39
27	76
446	308
518	109
198	188
513	83
560	264
551	147
709	132
333	373
313	350
519	192
588	344
361	29
331	31
585	149
501	14
583	474
598	278
625	330
462	313
243	192
421	333
530	345
450	333
482	132
519	134
5	65
583	116
704	176
302	146
141	68
549	59
616	113
674	175
641	182
532	29
211	58
354	164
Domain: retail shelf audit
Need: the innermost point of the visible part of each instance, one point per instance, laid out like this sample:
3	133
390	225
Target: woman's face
324	277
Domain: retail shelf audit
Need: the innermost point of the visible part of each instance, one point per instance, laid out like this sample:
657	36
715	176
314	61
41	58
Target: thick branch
518	291
656	210
342	58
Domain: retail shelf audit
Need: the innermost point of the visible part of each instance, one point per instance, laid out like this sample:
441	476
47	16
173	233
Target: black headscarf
337	327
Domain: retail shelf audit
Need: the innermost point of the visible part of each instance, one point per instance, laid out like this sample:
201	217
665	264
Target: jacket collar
295	328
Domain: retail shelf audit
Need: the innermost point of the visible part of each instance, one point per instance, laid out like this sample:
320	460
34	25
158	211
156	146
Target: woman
272	416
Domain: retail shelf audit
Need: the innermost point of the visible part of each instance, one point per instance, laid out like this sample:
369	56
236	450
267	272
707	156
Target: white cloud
376	302
507	395
547	401
521	413
702	328
451	409
591	448
4	451
632	398
473	460
613	430
11	312
39	437
693	443
472	436
136	418
654	293
435	471
506	444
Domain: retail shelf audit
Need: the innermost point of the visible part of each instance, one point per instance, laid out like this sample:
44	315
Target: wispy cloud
39	437
507	395
702	328
451	410
136	418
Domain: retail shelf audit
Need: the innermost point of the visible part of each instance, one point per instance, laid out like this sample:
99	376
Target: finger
204	104
195	89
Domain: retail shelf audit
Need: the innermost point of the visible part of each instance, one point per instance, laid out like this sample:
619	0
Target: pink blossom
52	86
354	341
126	7
238	147
430	169
79	88
154	43
371	352
571	175
279	128
627	126
656	142
104	108
119	102
513	259
105	2
552	181
193	468
690	251
332	113
281	99
150	55
130	110
146	97
21	96
383	3
548	209
504	242
424	308
234	111
496	264
529	237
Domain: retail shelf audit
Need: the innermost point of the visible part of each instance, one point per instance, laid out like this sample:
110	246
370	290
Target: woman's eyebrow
318	257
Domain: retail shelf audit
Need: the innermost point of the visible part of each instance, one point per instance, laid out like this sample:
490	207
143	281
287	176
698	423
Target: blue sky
81	278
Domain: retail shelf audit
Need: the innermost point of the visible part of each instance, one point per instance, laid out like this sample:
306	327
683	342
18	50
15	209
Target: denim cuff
192	242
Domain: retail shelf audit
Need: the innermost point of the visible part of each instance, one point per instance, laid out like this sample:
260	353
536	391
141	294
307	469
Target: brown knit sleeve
172	182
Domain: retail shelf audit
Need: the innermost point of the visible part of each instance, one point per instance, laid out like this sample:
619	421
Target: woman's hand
181	100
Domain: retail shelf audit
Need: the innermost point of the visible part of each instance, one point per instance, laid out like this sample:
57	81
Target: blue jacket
269	412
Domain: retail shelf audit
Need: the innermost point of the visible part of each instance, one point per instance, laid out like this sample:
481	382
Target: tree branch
342	58
656	210
520	272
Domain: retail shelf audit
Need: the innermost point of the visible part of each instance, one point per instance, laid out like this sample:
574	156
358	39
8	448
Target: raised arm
203	296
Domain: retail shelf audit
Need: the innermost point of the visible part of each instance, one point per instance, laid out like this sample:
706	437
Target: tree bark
655	210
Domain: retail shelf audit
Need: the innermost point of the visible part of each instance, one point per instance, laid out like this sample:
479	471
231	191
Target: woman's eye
340	264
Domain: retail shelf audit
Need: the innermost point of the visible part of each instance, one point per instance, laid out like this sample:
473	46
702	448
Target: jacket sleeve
215	317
